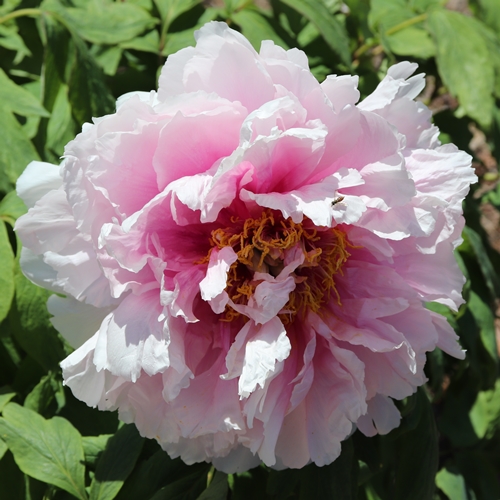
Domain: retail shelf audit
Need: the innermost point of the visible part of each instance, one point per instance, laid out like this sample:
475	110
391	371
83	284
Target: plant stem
405	24
20	13
401	26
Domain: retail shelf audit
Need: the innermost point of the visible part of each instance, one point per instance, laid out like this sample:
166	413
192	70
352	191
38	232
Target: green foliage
63	62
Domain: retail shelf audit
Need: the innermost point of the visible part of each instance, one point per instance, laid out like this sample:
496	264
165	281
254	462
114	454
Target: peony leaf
116	463
151	475
88	94
12	207
48	450
385	14
464	62
16	150
412	42
42	395
18	99
451	483
418	445
6	272
217	489
480	474
55	58
108	58
485	323
485	413
490	10
188	487
489	274
31	326
10	39
146	43
337	480
8	6
5	397
331	30
170	9
61	127
256	28
93	446
104	23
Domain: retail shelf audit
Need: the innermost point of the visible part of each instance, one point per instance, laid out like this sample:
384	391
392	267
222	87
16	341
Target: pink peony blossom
246	254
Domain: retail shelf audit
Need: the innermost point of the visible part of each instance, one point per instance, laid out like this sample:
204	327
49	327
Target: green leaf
217	489
12	207
418	445
412	42
10	39
337	480
60	128
185	488
88	94
329	27
171	9
451	483
8	6
385	14
177	41
19	100
147	43
256	28
55	57
48	450
16	150
485	321
49	388
104	23
480	473
6	272
31	325
490	10
93	446
489	273
116	463
463	62
108	58
150	475
5	396
485	414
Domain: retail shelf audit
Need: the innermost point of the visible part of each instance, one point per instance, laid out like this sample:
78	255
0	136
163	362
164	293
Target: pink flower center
263	245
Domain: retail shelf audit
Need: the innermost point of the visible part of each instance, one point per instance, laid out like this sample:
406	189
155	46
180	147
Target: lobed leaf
101	22
451	483
463	62
48	450
256	28
6	272
116	463
18	100
329	27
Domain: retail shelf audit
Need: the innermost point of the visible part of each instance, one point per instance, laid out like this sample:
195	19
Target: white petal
37	180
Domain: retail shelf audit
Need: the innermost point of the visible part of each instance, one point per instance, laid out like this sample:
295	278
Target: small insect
337	200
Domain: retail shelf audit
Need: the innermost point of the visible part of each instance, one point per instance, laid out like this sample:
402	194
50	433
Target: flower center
267	245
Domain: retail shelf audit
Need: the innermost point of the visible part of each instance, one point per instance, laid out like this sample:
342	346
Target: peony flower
246	253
